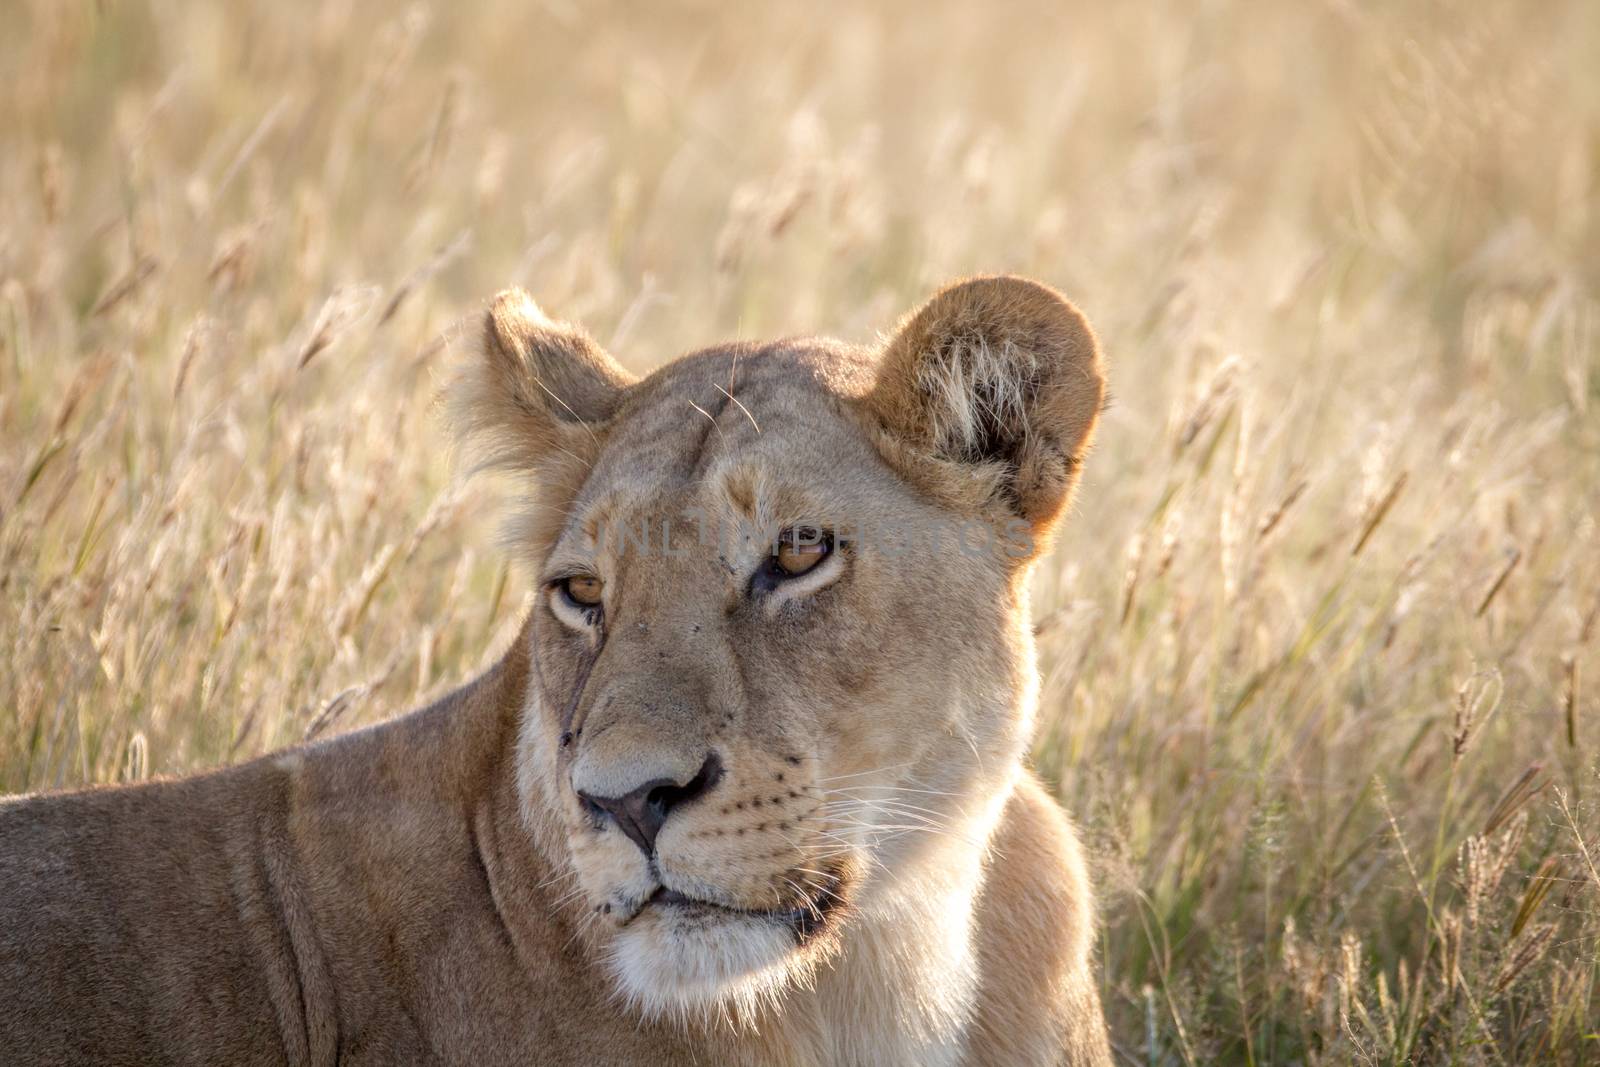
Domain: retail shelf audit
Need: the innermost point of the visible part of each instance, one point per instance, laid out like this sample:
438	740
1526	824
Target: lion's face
745	734
781	650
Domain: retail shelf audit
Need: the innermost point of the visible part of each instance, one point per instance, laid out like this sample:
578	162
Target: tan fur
436	890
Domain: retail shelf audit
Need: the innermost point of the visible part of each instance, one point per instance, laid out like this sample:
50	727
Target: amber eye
799	550
583	590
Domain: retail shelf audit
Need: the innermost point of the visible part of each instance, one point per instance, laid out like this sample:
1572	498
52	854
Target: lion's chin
708	964
683	957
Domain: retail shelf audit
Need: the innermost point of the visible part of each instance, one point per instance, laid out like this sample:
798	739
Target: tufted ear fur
989	394
535	390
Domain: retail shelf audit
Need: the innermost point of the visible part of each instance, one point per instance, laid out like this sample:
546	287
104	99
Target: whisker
863	774
896	788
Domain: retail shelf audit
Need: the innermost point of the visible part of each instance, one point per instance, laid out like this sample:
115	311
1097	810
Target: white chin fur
676	968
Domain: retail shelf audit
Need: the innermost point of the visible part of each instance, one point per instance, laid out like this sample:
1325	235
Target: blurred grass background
1320	643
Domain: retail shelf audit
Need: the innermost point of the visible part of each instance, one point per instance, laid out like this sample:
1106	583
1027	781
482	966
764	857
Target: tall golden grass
1320	644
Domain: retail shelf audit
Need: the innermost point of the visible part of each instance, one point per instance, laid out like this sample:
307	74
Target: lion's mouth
806	919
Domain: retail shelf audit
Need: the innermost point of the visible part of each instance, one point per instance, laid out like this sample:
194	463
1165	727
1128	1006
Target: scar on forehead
758	498
740	486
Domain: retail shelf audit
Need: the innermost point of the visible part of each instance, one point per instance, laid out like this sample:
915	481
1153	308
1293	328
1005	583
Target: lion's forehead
716	429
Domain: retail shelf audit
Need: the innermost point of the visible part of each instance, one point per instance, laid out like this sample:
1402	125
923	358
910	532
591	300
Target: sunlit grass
1320	642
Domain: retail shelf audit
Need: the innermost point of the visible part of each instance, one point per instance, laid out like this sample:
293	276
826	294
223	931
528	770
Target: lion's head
783	672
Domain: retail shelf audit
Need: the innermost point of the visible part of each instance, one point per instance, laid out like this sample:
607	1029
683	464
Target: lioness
747	789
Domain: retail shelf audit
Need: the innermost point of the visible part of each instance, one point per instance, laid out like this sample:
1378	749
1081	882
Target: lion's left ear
993	385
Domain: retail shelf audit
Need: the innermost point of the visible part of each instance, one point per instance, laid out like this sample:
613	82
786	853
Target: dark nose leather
642	812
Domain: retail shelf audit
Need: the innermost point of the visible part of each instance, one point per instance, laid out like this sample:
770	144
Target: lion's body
365	900
726	800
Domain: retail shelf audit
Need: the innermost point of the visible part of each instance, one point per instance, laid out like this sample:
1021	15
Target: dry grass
1322	643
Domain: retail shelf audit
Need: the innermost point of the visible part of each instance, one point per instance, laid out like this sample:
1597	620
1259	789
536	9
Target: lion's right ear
989	393
535	389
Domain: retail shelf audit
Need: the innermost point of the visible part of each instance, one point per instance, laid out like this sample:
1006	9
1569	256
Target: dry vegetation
1322	645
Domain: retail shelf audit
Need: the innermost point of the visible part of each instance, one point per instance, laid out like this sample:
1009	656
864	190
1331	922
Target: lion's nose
641	813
